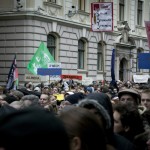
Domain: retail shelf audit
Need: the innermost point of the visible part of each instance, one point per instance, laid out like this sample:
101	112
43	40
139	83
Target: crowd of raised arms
70	116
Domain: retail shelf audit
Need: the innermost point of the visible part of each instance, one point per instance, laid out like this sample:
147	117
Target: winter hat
88	102
32	129
89	89
37	89
104	100
74	98
131	92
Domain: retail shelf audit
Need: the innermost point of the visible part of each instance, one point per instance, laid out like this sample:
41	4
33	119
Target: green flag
40	59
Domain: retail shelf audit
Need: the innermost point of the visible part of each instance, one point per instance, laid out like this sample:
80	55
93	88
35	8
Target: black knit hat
74	98
32	129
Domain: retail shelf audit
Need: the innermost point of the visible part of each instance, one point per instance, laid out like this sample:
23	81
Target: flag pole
103	55
49	79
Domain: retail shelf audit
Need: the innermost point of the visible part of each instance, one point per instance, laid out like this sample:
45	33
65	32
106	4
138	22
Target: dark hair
83	124
130	117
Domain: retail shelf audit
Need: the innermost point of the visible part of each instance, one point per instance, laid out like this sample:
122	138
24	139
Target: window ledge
140	27
101	72
52	4
81	71
81	12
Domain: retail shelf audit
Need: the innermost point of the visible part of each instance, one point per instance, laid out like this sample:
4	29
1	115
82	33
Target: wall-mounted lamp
73	11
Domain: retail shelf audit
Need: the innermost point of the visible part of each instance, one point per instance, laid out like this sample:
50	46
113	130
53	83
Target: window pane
81	59
81	45
99	57
99	61
121	10
139	13
81	49
51	44
54	1
81	5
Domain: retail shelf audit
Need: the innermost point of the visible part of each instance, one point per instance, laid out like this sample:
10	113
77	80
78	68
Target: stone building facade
65	27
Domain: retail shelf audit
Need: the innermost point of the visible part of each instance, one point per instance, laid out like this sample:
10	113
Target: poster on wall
102	16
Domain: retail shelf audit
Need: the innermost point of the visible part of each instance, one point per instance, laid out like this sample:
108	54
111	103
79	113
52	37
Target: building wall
22	31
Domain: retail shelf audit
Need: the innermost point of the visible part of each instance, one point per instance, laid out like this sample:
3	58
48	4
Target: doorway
123	70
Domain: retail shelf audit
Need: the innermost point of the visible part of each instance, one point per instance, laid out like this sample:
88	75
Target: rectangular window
99	57
81	5
99	61
121	10
80	59
139	12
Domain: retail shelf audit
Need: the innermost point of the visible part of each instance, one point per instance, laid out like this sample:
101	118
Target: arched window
99	57
81	54
51	45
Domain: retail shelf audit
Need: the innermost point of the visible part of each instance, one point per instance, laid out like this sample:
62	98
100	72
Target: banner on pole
147	26
40	59
12	82
102	16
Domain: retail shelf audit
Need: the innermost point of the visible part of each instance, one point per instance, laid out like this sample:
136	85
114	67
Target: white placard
54	65
102	16
32	78
87	81
140	78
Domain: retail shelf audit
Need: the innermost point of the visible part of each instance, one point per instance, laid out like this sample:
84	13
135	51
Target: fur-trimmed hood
83	103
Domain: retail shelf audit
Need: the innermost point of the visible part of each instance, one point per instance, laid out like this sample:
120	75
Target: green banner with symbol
41	59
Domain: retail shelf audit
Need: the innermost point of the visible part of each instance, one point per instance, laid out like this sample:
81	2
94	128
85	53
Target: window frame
81	54
99	57
121	10
81	5
52	47
139	13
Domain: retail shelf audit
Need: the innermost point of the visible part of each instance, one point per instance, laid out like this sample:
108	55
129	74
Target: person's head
127	120
129	95
98	110
44	99
104	100
30	100
145	98
17	94
2	97
32	129
84	129
74	98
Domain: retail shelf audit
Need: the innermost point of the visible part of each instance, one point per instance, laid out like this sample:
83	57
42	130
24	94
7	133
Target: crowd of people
68	115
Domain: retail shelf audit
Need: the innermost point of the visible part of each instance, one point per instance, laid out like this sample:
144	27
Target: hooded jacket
118	141
100	108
